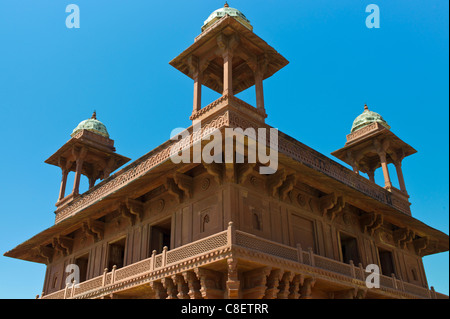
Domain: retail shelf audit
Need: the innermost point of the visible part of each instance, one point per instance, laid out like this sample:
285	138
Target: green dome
226	10
367	118
92	125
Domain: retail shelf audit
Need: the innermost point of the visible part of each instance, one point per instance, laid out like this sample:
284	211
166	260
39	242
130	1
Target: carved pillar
79	166
306	289
170	287
62	190
194	68
227	72
401	180
160	292
182	286
193	284
233	282
387	179
272	284
259	90
255	283
295	286
211	283
285	285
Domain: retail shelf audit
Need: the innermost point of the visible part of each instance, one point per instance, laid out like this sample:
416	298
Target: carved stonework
46	253
216	170
287	186
385	237
274	181
193	283
211	283
331	205
182	286
297	281
136	208
371	222
306	288
403	236
159	290
254	283
284	286
63	245
425	245
272	284
88	231
170	287
233	282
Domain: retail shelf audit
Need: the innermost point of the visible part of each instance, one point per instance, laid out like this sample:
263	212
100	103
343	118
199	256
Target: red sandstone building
157	229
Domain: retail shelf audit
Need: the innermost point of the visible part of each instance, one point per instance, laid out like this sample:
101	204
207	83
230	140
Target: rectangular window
82	263
349	249
160	236
116	254
386	262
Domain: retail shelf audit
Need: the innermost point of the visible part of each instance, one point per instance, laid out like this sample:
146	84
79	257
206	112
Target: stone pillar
387	179
233	282
79	166
197	76
62	190
371	175
259	90
227	72
76	184
401	180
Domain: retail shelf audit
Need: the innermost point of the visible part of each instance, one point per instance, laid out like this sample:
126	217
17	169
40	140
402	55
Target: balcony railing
213	247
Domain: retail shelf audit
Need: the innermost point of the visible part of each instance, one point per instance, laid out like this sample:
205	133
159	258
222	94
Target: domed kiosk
89	152
371	145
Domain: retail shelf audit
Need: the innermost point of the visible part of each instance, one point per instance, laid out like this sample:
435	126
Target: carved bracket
272	284
371	222
180	186
184	183
254	282
216	170
45	252
135	207
94	228
211	283
287	186
403	236
331	205
193	283
63	244
274	181
233	282
173	189
425	245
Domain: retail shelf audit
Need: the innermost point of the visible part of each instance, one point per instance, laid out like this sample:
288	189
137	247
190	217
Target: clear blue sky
52	77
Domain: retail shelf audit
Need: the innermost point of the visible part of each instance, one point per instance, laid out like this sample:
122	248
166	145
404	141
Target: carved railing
228	239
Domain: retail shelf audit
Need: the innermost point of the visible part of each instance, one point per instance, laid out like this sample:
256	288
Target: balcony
239	245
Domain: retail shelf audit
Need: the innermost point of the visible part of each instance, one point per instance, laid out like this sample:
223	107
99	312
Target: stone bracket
63	244
403	236
275	181
331	205
371	222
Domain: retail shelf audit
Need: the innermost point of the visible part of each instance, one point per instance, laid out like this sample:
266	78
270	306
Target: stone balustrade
223	245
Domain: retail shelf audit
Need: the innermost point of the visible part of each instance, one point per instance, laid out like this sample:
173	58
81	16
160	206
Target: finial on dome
94	115
226	5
